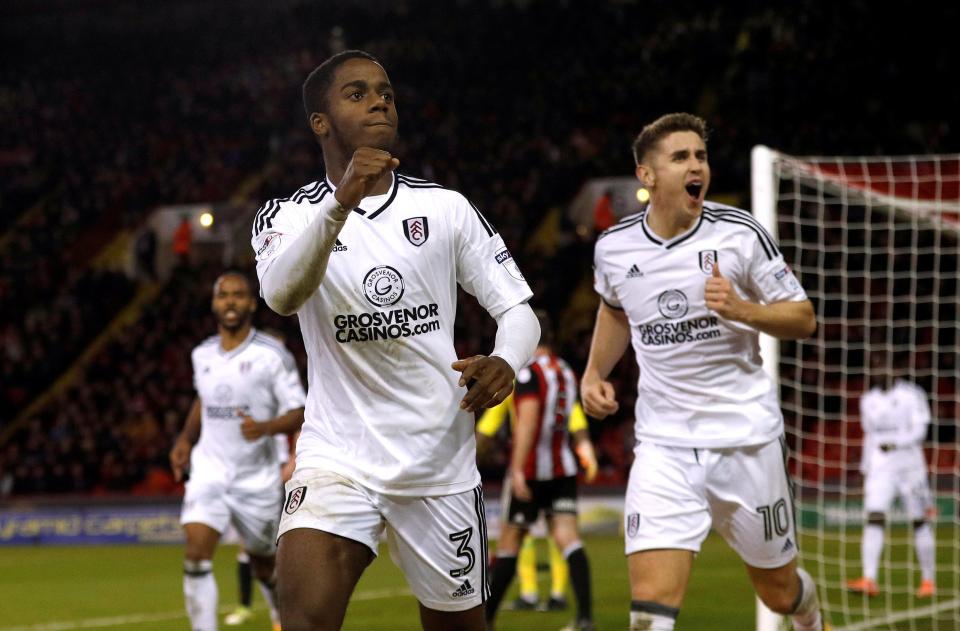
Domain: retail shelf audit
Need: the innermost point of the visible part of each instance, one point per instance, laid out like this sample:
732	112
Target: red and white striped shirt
553	383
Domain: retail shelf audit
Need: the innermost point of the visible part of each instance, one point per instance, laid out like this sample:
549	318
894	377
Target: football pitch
139	587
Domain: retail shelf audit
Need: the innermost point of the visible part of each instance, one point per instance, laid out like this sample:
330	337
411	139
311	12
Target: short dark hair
233	273
665	125
318	82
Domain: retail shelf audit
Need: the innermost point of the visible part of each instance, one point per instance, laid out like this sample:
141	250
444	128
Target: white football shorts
439	543
904	477
675	494
255	514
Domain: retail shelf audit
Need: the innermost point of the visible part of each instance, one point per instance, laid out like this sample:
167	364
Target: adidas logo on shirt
339	247
634	272
464	590
787	546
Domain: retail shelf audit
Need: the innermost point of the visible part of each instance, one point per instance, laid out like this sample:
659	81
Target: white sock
923	538
806	617
269	596
870	549
200	594
650	616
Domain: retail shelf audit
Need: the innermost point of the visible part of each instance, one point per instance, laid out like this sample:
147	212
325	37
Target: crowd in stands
515	104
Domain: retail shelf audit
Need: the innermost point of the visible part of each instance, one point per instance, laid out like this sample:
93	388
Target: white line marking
160	616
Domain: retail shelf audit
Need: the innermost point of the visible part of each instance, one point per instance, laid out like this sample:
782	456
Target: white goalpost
874	241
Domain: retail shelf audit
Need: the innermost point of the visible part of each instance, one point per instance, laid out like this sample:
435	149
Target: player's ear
319	124
645	175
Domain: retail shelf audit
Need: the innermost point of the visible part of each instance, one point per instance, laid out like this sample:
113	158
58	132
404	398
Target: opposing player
248	388
369	260
894	415
490	425
692	284
542	474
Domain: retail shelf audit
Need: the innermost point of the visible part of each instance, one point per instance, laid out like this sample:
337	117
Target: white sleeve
292	260
287	388
919	419
601	283
485	267
769	276
518	333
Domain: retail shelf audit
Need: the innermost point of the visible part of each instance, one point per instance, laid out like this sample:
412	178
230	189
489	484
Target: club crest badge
295	499
633	524
708	258
416	230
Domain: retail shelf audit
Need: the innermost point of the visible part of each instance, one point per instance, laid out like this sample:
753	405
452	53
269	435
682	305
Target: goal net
873	240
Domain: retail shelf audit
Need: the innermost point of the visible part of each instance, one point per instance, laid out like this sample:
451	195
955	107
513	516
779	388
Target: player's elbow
808	327
282	304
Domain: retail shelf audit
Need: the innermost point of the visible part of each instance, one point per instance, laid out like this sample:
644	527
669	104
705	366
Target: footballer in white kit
233	479
382	407
702	388
690	284
387	446
895	416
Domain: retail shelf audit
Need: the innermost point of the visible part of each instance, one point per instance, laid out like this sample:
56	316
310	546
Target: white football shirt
383	401
258	377
701	383
899	417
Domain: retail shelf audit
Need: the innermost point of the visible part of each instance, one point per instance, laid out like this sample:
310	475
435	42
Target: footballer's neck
232	338
667	222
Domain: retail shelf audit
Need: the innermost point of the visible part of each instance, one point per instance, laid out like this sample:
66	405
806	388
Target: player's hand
598	397
518	486
489	381
722	298
180	458
364	170
588	460
251	429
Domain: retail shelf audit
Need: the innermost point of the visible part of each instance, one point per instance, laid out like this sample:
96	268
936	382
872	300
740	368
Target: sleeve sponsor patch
787	279
503	257
269	246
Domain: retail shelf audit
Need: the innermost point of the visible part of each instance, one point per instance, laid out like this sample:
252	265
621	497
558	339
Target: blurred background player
894	415
488	428
241	375
542	473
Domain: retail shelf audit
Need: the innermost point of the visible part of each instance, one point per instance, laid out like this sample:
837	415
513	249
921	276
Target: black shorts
558	495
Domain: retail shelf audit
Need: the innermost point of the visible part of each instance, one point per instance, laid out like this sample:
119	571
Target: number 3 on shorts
463	550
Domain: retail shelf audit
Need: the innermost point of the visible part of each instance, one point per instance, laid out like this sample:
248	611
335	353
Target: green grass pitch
139	587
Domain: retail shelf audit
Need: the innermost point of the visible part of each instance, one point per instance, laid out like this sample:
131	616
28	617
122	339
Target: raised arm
294	275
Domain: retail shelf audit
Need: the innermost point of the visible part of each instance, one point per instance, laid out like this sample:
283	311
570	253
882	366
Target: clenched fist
365	169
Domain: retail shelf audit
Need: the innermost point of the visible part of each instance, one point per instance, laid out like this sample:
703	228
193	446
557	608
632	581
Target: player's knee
781	602
876	519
